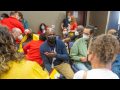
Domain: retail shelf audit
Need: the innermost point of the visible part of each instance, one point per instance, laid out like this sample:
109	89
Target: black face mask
51	39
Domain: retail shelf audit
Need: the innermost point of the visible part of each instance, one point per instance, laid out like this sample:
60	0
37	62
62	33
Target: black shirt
65	22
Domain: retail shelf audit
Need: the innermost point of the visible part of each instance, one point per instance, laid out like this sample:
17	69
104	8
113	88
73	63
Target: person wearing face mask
42	28
66	21
23	21
79	50
16	34
13	22
3	16
102	51
54	55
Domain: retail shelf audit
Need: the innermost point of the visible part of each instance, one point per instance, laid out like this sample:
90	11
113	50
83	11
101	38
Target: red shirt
72	27
33	53
12	22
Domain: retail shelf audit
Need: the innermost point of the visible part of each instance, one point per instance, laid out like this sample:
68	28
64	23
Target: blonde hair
105	47
111	31
73	20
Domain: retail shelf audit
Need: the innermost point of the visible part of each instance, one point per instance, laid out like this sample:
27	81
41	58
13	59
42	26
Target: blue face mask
69	20
18	18
68	16
65	33
42	27
2	18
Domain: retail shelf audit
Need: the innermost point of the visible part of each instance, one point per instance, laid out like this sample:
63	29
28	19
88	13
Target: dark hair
5	15
42	37
13	13
69	12
20	14
92	29
62	34
30	36
41	25
7	53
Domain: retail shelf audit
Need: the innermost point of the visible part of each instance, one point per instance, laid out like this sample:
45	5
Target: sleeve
64	55
63	21
21	27
74	26
79	75
59	37
39	32
45	59
26	25
26	47
37	72
73	37
74	52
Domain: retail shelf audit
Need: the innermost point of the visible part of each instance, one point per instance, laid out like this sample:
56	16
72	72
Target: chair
57	37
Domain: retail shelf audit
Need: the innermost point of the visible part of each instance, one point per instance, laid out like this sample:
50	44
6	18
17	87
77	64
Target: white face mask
85	37
20	37
76	33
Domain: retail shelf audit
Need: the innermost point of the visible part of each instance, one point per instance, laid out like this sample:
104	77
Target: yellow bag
54	74
70	33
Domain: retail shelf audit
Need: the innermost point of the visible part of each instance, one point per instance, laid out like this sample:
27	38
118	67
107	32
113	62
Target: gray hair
14	30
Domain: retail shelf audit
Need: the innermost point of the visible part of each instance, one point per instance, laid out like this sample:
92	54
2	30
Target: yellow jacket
25	70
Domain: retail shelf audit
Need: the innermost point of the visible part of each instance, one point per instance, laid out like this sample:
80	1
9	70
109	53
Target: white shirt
96	74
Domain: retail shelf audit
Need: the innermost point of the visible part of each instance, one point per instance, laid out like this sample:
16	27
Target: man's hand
53	54
83	59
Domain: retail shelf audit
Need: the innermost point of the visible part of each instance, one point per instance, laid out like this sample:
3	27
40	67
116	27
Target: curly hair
73	20
7	53
105	47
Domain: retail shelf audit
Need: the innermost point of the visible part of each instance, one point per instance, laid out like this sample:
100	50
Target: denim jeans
83	66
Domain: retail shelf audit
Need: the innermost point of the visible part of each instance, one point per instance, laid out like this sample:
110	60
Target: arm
26	25
21	27
64	55
74	52
66	40
26	47
62	25
45	59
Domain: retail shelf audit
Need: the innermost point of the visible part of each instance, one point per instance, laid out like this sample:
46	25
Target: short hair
105	47
13	13
92	28
5	15
69	12
20	14
14	30
42	37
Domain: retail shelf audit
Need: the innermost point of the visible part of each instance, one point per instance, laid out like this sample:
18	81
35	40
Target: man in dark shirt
66	21
54	52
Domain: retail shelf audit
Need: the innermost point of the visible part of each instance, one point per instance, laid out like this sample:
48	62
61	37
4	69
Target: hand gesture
53	54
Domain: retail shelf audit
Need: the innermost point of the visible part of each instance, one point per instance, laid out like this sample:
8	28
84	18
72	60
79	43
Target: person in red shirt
42	28
73	25
33	54
13	22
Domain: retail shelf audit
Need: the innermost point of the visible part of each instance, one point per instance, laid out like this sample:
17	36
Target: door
81	19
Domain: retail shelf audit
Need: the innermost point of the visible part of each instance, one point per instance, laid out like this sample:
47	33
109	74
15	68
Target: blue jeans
83	66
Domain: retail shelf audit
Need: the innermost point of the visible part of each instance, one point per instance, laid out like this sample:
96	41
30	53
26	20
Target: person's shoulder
79	40
113	75
79	75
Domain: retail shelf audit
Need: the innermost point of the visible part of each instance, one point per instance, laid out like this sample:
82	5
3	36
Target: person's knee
81	66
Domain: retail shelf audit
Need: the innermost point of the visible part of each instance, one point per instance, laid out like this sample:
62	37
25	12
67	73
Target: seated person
26	39
42	28
78	34
79	49
54	52
102	51
13	65
33	54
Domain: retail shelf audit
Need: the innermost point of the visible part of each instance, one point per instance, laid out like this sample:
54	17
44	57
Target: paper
75	13
56	75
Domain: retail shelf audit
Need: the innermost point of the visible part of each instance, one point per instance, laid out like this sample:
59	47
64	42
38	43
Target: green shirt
79	49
